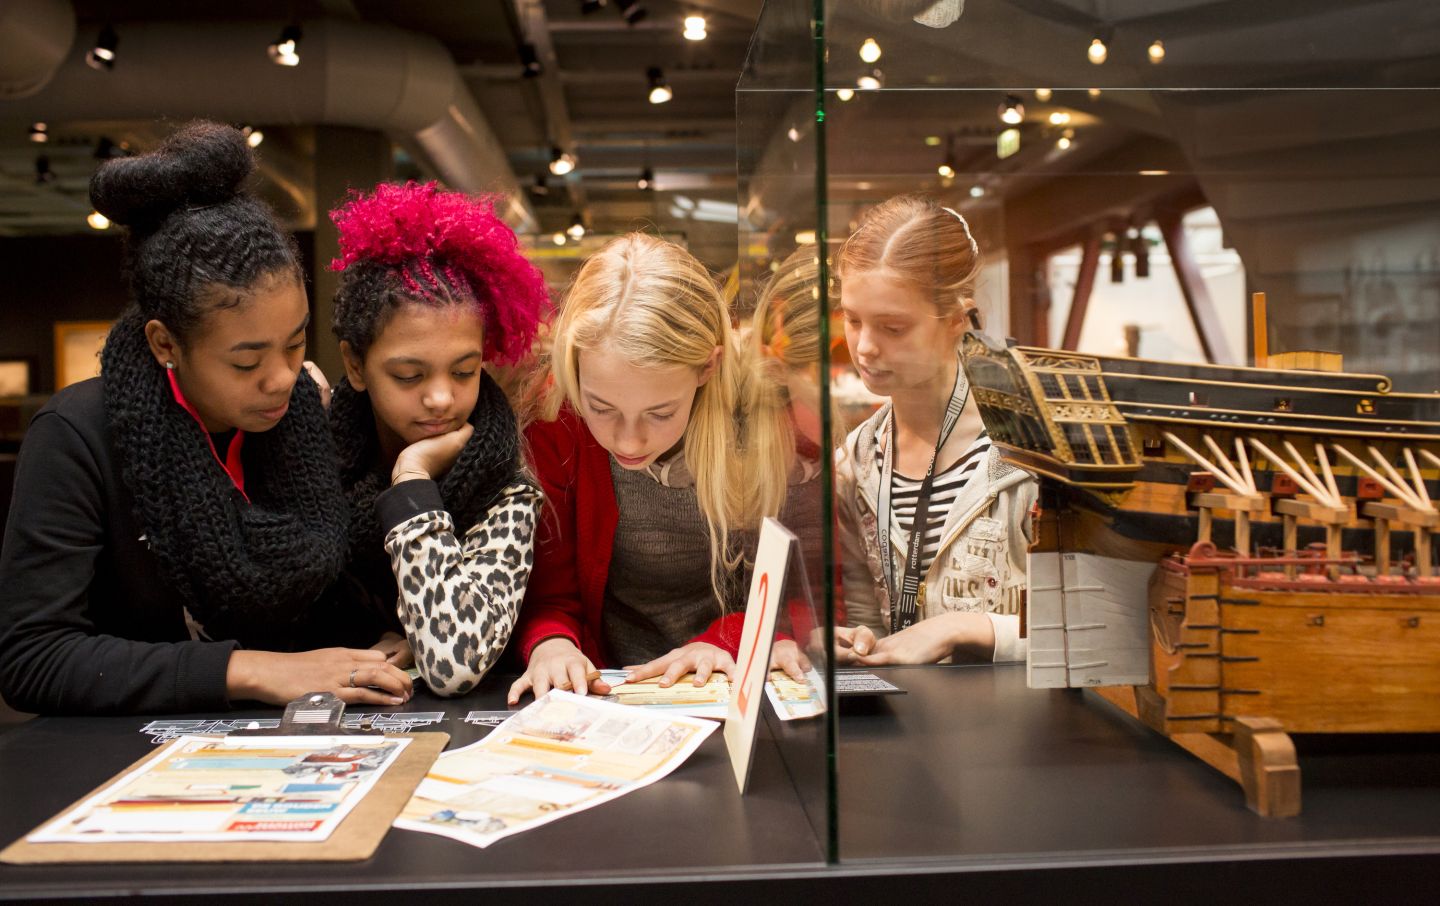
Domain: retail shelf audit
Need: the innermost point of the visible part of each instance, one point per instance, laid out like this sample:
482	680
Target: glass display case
1237	202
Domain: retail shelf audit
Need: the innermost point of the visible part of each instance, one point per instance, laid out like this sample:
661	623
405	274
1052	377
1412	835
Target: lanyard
904	606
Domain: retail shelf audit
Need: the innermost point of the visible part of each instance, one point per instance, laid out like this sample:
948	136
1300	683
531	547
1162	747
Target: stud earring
169	366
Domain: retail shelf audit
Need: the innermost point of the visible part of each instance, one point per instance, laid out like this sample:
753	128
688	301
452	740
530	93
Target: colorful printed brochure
792	700
197	789
683	697
562	754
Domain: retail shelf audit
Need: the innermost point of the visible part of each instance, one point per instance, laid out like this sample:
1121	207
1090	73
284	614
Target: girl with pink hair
433	285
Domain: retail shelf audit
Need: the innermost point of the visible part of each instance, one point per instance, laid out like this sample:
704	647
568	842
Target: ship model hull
1230	554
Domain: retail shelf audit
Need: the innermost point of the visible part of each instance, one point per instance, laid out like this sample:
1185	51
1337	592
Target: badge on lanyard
907	599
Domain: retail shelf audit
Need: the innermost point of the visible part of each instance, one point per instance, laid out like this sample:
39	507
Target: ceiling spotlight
793	134
631	11
646	180
576	229
659	89
1097	52
871	81
1043	94
102	55
98	221
1012	111
1059	118
286	49
1156	51
1066	140
932	141
43	173
1093	92
590	6
39	133
694	28
869	51
977	191
253	136
845	94
529	61
558	238
561	162
947	166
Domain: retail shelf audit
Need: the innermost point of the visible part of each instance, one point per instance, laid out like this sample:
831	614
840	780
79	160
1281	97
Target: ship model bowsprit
1230	554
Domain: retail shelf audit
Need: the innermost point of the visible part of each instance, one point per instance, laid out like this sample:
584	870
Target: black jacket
87	623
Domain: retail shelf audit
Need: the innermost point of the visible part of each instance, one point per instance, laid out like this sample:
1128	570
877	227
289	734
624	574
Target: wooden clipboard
356	839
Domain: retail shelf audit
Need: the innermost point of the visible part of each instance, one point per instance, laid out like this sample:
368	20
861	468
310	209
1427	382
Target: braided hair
419	245
196	242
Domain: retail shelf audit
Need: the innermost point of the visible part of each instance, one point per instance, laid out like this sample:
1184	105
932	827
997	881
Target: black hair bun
204	163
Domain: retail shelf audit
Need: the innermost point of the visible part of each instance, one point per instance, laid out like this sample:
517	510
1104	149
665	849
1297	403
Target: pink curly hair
434	229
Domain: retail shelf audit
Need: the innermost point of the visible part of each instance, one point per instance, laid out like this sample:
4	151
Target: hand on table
278	679
699	658
556	664
932	640
396	649
852	644
786	655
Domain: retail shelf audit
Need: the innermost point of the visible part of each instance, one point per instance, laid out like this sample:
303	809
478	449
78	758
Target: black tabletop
972	765
970	779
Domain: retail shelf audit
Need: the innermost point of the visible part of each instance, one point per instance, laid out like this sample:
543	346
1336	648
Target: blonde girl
662	448
933	523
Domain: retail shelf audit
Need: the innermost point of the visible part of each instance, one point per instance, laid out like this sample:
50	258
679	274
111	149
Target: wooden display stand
1259	755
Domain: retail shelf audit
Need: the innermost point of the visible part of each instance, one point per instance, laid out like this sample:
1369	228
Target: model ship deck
1250	548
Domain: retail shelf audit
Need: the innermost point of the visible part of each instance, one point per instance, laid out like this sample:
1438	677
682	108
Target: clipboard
355	839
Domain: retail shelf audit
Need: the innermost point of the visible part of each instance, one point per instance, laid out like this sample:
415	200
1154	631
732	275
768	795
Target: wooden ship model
1230	554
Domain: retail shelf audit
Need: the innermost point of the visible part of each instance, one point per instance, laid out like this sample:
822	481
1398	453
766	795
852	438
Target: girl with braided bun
664	446
933	524
433	285
175	519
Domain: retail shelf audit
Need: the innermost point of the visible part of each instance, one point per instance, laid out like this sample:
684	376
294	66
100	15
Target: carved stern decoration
1227	553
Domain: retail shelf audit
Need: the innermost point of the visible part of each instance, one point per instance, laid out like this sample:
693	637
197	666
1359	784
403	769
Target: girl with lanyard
934	525
433	286
175	518
664	447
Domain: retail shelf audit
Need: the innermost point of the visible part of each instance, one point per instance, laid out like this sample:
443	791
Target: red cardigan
574	542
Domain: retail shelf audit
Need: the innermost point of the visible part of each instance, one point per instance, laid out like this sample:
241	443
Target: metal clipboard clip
312	714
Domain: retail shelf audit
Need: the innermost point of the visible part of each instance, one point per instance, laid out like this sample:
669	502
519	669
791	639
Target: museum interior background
1128	201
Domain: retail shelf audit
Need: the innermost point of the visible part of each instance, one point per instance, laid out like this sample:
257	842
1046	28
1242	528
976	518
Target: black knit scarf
485	466
246	571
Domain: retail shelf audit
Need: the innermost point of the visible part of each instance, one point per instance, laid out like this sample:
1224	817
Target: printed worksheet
560	755
792	700
198	789
683	697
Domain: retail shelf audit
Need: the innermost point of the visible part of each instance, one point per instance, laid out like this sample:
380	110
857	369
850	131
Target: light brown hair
922	243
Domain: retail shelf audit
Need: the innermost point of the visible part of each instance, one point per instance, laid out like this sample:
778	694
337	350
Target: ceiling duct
35	38
350	74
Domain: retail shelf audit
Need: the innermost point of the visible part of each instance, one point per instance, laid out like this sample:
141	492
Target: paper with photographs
199	789
562	754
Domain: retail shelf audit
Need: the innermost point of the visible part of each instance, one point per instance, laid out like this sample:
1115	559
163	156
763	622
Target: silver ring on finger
352	677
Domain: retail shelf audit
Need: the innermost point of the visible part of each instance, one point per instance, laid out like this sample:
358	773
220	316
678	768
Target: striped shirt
905	494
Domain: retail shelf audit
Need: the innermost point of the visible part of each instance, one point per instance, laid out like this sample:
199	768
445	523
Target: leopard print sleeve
459	599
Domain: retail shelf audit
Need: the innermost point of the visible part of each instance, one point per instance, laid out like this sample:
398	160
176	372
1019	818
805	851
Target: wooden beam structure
1084	286
1192	286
